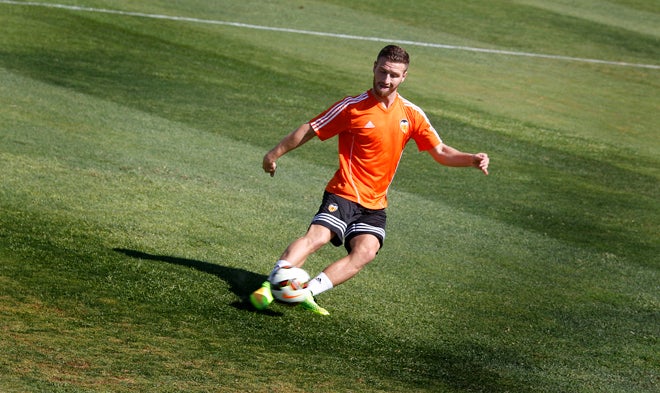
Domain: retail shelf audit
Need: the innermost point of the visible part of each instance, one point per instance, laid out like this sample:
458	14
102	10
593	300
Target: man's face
388	76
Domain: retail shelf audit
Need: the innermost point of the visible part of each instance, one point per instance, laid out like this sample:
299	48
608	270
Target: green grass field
135	217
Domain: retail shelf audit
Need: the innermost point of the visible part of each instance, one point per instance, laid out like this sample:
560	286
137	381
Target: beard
383	90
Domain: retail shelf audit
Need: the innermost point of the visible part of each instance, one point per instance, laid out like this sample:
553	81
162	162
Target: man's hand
481	161
269	165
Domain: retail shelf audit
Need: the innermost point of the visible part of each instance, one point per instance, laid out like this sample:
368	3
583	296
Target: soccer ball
288	284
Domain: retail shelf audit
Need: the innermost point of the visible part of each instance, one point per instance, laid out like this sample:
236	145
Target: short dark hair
395	54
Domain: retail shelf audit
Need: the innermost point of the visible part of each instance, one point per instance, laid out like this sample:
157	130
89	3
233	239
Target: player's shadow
241	282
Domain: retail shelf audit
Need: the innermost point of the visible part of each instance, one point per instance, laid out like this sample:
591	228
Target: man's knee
365	247
317	236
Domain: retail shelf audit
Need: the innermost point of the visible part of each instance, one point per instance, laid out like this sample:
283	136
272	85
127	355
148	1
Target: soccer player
372	130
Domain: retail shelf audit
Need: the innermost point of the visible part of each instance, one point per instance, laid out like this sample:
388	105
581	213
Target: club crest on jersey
332	207
403	124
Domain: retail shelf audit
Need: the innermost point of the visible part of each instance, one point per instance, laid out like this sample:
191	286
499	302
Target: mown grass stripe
337	35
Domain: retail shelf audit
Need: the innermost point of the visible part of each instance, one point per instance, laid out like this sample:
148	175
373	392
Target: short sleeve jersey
371	141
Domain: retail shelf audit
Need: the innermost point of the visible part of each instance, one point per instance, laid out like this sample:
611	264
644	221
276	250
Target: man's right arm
295	139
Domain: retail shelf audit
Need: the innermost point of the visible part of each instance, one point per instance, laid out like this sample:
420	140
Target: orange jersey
371	142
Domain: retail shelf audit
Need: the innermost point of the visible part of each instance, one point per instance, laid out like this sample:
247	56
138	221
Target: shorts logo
332	207
403	124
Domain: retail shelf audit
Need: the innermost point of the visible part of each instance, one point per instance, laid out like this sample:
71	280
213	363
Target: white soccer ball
288	284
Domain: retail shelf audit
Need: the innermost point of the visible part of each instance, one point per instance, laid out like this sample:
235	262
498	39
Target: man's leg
316	237
363	250
295	255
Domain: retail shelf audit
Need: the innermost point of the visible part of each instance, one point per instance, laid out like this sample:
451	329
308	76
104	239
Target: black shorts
347	219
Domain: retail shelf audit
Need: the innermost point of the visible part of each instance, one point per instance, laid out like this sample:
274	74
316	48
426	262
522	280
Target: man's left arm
448	156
